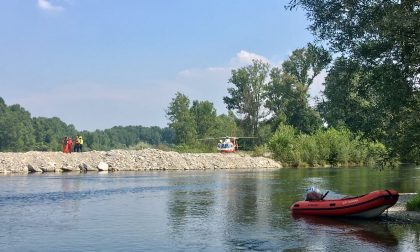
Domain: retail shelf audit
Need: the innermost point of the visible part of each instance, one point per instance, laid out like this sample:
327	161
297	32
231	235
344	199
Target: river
222	210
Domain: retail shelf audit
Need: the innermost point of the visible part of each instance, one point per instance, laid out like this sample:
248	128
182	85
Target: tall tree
304	64
247	97
181	120
287	91
204	115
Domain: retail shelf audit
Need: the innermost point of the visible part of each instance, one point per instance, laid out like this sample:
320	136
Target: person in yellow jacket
80	143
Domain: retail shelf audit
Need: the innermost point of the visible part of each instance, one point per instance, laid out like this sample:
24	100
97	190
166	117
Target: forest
369	110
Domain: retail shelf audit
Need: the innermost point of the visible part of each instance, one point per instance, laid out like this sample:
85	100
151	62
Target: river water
223	210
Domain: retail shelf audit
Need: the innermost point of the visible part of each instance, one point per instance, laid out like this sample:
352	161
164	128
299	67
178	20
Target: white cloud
245	58
48	6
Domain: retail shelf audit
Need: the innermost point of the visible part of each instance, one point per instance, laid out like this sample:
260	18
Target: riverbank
127	160
399	212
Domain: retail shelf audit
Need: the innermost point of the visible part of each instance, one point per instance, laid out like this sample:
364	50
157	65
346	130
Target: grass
414	203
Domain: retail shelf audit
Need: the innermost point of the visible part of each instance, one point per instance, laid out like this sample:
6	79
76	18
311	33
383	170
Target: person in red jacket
69	144
65	145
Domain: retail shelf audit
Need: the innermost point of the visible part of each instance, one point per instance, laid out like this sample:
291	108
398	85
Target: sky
103	63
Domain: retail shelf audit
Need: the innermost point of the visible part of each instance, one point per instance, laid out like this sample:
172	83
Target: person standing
65	145
69	144
76	144
80	143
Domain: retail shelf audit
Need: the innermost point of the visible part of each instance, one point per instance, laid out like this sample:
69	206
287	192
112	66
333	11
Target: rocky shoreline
399	212
127	160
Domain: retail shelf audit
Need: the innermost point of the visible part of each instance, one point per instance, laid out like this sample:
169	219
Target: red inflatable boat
366	206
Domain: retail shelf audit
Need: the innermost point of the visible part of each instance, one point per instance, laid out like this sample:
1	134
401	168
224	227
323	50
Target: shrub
140	146
281	143
261	150
336	147
377	152
414	203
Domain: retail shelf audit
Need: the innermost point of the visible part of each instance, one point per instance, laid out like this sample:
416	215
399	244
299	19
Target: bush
281	143
414	203
332	146
140	146
261	151
377	152
308	150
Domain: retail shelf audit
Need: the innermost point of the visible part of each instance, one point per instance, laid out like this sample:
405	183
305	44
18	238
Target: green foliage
261	151
414	203
140	146
304	64
204	115
182	120
224	125
282	143
247	97
287	92
372	31
193	125
20	132
16	131
49	132
332	146
127	138
373	86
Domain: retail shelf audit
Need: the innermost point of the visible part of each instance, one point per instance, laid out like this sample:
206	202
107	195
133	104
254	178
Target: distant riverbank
127	160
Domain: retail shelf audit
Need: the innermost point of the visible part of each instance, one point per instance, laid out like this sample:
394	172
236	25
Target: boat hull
369	205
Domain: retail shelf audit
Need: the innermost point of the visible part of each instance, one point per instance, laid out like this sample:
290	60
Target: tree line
20	132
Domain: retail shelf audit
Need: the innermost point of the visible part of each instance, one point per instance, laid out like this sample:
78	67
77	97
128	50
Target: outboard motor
313	193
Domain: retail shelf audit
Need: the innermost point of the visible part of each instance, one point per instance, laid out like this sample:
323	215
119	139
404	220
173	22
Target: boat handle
323	196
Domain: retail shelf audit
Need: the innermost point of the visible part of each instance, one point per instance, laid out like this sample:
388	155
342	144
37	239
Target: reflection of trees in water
242	200
356	181
187	204
189	207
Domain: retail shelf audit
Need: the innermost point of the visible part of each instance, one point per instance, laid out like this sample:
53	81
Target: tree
49	132
247	97
181	120
371	31
287	91
16	131
373	87
304	64
204	115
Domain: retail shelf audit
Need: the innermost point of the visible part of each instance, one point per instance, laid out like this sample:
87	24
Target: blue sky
102	63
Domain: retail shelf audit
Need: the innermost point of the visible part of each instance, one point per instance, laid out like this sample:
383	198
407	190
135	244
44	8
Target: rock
102	166
31	168
48	167
87	167
69	168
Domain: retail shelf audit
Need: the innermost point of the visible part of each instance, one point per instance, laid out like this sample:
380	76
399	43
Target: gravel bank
399	212
127	160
